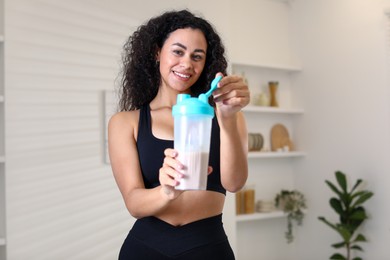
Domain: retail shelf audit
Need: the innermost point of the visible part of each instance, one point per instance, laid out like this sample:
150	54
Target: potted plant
348	205
293	203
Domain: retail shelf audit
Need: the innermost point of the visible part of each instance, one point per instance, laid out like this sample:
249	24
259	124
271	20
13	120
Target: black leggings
153	239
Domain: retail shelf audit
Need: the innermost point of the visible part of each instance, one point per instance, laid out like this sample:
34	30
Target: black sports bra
151	153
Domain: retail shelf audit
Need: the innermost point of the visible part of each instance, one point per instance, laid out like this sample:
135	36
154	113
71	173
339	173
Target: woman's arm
230	97
139	201
234	150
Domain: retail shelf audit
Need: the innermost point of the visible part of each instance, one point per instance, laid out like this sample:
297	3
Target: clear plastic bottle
192	133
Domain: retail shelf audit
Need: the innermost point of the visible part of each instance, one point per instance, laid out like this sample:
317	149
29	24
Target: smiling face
182	59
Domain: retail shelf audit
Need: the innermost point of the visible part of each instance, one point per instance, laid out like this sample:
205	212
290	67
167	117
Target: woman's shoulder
125	119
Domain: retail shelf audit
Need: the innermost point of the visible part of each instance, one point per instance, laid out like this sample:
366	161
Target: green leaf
358	194
342	230
357	258
334	188
339	245
342	181
364	197
356	184
354	225
356	247
336	205
345	233
346	199
328	223
360	238
358	214
338	256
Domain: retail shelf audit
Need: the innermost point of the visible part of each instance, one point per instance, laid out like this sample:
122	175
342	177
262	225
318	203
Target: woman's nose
186	62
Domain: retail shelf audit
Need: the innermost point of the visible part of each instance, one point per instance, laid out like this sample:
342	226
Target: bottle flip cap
214	85
187	105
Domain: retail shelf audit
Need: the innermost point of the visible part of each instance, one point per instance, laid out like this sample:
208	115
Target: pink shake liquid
195	170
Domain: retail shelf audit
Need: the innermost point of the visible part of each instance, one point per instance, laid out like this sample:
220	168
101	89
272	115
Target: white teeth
181	75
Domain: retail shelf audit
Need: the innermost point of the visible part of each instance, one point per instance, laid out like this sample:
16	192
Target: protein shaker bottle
192	133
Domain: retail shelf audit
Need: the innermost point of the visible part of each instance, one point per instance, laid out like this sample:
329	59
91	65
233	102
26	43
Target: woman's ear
158	55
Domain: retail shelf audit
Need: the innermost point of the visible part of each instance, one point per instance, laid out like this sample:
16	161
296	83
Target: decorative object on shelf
260	99
255	141
280	140
249	199
239	203
293	203
348	205
273	87
245	200
265	206
263	100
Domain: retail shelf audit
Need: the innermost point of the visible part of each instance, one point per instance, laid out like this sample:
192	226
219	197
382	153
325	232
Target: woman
171	54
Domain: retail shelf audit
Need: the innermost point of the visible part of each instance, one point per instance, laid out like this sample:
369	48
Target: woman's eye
178	52
197	57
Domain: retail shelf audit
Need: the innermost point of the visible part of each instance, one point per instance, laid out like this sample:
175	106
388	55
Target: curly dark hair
140	73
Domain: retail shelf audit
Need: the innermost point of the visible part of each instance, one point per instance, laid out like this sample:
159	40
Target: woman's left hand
231	95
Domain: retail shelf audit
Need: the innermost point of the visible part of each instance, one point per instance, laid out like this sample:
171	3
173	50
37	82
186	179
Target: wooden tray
280	138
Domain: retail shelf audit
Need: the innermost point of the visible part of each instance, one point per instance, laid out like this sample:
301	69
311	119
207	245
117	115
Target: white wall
260	33
344	47
62	202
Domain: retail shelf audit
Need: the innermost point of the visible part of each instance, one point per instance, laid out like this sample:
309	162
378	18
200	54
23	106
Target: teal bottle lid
187	105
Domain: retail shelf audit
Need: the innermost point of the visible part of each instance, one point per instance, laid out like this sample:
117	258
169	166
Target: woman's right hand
170	174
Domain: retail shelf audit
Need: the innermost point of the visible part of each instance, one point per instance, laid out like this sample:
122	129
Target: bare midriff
191	206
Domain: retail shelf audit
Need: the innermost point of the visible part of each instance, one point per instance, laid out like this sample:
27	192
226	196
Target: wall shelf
286	68
275	154
259	120
276	110
260	216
